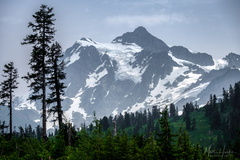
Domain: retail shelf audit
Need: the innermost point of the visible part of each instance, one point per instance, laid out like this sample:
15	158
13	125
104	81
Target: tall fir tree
54	80
215	119
104	123
225	97
172	110
231	95
41	39
127	122
188	122
193	124
155	112
165	138
236	104
7	88
150	123
184	147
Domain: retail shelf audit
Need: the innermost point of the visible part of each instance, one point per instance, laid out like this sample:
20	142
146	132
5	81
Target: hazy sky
211	26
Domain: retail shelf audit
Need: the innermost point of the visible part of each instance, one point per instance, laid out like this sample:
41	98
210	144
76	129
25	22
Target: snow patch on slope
122	54
165	92
75	56
137	107
218	64
75	107
115	112
195	91
94	78
24	104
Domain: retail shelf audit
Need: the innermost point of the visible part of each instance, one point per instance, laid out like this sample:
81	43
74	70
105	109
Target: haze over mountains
134	71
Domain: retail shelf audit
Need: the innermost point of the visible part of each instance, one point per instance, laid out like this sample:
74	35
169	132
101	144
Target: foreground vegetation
103	145
172	141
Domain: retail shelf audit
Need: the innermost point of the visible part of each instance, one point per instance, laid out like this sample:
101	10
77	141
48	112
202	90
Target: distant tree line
187	109
134	122
98	144
224	117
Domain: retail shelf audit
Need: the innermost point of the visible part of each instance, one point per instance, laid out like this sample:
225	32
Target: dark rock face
202	59
143	38
233	60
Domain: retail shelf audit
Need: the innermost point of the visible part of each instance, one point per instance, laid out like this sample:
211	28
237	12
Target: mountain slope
136	70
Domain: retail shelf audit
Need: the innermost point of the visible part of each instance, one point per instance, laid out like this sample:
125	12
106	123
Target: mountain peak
233	60
140	30
143	38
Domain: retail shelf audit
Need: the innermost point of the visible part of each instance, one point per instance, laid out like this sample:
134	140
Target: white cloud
146	20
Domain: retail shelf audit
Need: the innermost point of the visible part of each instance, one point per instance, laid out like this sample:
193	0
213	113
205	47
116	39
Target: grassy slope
202	134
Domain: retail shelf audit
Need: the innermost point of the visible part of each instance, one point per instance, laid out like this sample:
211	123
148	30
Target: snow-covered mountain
134	71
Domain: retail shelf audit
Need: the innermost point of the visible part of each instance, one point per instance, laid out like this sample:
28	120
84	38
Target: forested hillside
96	144
199	133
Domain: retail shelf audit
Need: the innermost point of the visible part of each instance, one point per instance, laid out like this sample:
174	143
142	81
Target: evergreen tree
150	124
132	119
120	121
91	127
186	110
188	123
7	88
222	106
197	153
41	39
214	101
157	127
104	123
196	106
172	110
236	146
184	146
208	108
144	117
231	95
236	104
126	119
2	127
193	127
155	112
165	138
54	81
186	115
110	121
214	118
39	132
225	97
219	143
176	111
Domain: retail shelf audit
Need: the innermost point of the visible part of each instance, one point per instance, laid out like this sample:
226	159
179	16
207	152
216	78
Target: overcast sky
211	26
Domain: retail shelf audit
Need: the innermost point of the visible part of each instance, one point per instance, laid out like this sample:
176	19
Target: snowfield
122	54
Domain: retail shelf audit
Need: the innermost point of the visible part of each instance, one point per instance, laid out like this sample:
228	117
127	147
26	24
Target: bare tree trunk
59	107
10	108
44	111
